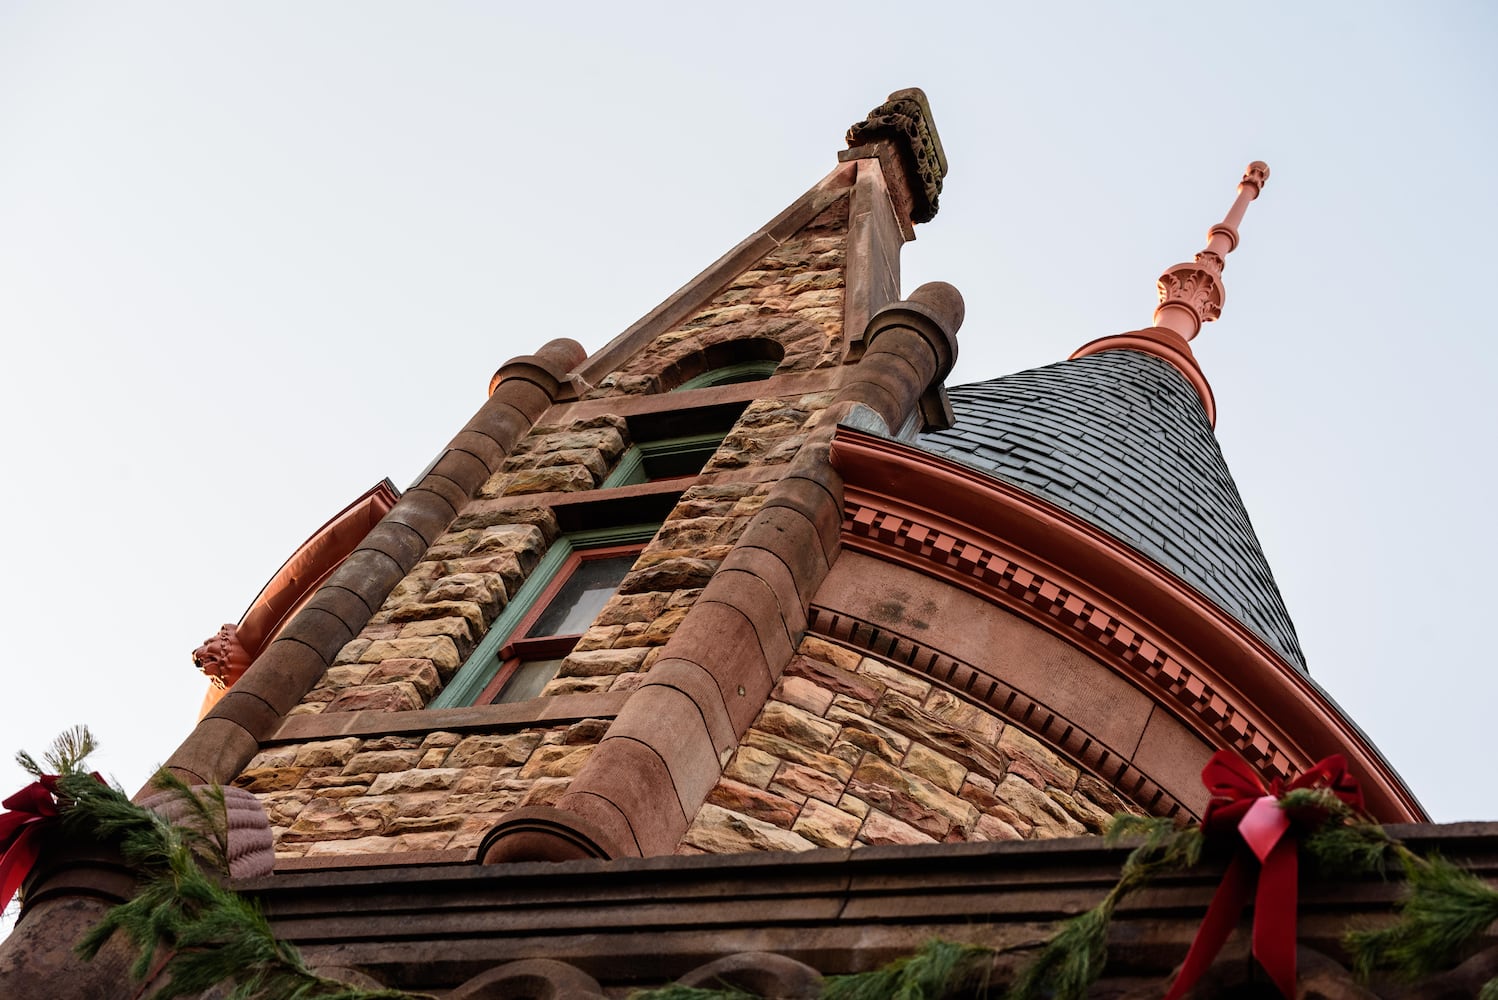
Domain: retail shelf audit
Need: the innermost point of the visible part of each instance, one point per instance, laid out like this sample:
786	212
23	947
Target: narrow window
526	644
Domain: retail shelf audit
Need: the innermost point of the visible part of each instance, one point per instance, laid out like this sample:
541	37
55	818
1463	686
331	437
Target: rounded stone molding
530	979
758	973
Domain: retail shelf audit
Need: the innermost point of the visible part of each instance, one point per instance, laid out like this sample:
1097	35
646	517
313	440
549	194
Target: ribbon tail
1222	916
1274	916
17	862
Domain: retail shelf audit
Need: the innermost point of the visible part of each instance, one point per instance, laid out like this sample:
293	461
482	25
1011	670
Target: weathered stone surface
880	828
270	779
1101	795
437	648
327	753
381	761
1037	764
942	772
1036	808
419	780
993	828
586	731
787	750
325	819
964	716
622	609
501	751
750	801
803	694
869	736
751	767
718	831
895	679
397	697
555	761
601	662
905	716
826	826
910	799
798	725
1079	809
669	575
826	653
800	783
420	674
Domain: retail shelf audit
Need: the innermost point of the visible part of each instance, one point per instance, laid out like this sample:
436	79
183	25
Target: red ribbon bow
29	813
1241	803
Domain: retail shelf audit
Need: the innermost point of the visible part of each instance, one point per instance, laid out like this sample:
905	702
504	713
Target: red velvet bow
29	812
1241	803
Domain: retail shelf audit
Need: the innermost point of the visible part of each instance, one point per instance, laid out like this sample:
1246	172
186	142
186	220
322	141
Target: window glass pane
582	596
528	680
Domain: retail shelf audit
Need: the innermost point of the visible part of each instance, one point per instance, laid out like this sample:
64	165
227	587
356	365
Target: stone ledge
537	711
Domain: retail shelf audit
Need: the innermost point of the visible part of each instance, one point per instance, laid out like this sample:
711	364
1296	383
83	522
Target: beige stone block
432	758
458	629
555	762
1102	795
327	753
351	651
273	757
431	841
586	731
308	708
910	799
869	735
1079	809
437	648
381	761
825	826
338	677
1038	809
392	742
981	725
357	845
545	791
797	725
1035	762
401	696
601	662
751	766
941	771
719	831
895	679
519	540
796	753
416	781
852	706
576	685
440	738
598	637
881	828
803	694
800	783
993	828
324	818
747	800
907	717
494	751
270	779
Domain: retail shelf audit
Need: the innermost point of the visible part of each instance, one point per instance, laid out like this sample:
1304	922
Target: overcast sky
256	257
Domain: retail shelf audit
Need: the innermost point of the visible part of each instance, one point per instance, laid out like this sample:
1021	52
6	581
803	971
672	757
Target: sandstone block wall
851	751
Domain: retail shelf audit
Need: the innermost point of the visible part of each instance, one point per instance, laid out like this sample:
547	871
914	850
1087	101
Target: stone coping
554	710
644	921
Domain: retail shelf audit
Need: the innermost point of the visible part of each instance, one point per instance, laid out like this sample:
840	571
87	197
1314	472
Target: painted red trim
1168	346
1196	661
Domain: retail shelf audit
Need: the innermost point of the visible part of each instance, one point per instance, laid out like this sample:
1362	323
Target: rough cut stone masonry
851	750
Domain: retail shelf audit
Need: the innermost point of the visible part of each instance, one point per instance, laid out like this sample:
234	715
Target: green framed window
668	458
526	644
744	371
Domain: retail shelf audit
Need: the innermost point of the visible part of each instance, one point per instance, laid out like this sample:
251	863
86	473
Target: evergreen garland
212	937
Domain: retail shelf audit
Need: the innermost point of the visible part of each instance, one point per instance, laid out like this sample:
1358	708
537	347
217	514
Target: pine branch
940	969
1446	907
65	755
1073	959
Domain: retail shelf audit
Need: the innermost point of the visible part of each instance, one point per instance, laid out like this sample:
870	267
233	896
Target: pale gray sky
253	258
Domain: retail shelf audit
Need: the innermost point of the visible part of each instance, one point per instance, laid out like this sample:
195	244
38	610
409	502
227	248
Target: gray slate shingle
1121	440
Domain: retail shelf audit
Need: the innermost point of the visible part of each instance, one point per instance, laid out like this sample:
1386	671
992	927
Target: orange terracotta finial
1192	294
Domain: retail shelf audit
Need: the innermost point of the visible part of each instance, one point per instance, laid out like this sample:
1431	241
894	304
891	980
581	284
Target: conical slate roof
1120	439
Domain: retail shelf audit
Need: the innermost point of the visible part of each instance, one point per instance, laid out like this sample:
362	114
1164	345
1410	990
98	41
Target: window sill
556	710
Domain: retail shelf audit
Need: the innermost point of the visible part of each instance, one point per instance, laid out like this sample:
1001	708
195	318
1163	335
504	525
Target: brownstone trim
1196	662
701	290
976	684
871	275
556	710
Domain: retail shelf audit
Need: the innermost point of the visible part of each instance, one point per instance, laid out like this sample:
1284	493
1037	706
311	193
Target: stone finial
1191	293
904	120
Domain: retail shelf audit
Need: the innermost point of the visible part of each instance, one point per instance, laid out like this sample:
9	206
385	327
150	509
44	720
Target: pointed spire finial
1192	294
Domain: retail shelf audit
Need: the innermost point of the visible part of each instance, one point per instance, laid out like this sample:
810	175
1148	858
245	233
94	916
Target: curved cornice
1013	548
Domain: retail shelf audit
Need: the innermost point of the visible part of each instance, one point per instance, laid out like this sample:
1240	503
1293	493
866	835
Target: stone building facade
749	604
